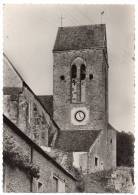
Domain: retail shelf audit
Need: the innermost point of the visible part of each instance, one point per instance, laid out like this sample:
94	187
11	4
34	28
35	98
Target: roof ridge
82	26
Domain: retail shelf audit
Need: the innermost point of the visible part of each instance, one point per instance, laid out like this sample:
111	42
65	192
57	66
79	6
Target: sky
29	35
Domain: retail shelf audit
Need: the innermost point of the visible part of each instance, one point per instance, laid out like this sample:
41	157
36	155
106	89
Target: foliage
125	149
15	157
77	173
80	186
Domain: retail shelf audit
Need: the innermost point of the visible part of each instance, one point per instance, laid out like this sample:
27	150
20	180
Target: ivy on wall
16	157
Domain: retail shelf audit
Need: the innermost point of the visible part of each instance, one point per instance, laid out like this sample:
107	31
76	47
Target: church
80	96
73	122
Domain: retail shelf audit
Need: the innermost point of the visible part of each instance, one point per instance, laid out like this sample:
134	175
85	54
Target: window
13	110
96	161
39	187
62	78
61	186
90	76
74	83
43	135
82	82
83	72
78	83
58	185
111	141
73	71
55	184
35	111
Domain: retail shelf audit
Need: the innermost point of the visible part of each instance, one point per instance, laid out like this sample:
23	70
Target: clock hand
80	115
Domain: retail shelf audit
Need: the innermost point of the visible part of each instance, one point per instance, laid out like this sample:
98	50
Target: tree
125	149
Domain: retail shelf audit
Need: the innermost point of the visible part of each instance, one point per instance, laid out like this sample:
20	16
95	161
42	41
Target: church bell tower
80	85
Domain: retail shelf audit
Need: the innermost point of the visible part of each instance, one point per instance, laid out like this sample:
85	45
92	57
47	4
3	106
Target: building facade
23	107
96	159
24	112
22	163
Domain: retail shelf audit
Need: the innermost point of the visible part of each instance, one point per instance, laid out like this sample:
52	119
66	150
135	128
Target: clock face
79	115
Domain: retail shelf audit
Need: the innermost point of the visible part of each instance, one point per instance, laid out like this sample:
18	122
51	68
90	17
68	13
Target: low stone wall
122	180
119	180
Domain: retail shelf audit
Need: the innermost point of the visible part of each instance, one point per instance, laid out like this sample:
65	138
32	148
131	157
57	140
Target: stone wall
102	154
33	119
23	108
95	89
16	180
122	180
83	162
10	106
65	159
111	148
47	172
27	113
118	180
98	153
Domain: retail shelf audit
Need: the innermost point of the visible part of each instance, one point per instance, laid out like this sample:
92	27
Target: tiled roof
76	141
47	102
80	37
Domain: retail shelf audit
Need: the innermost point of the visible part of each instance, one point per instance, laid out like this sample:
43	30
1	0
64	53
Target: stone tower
80	73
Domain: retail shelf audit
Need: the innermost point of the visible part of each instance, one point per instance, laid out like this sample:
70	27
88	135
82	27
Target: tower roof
80	37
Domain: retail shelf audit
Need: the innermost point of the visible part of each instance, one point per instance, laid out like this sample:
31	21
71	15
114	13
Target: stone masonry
18	180
95	96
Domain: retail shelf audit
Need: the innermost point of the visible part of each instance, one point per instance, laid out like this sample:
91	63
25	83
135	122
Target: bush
15	157
80	186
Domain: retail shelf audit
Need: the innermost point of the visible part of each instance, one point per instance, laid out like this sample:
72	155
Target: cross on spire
61	20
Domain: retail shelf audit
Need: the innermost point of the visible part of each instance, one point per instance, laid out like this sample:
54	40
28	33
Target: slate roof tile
80	37
76	141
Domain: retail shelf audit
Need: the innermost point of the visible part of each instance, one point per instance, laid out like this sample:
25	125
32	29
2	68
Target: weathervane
102	13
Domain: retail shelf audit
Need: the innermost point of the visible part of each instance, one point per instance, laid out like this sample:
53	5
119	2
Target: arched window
74	83
82	82
73	71
82	72
78	84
